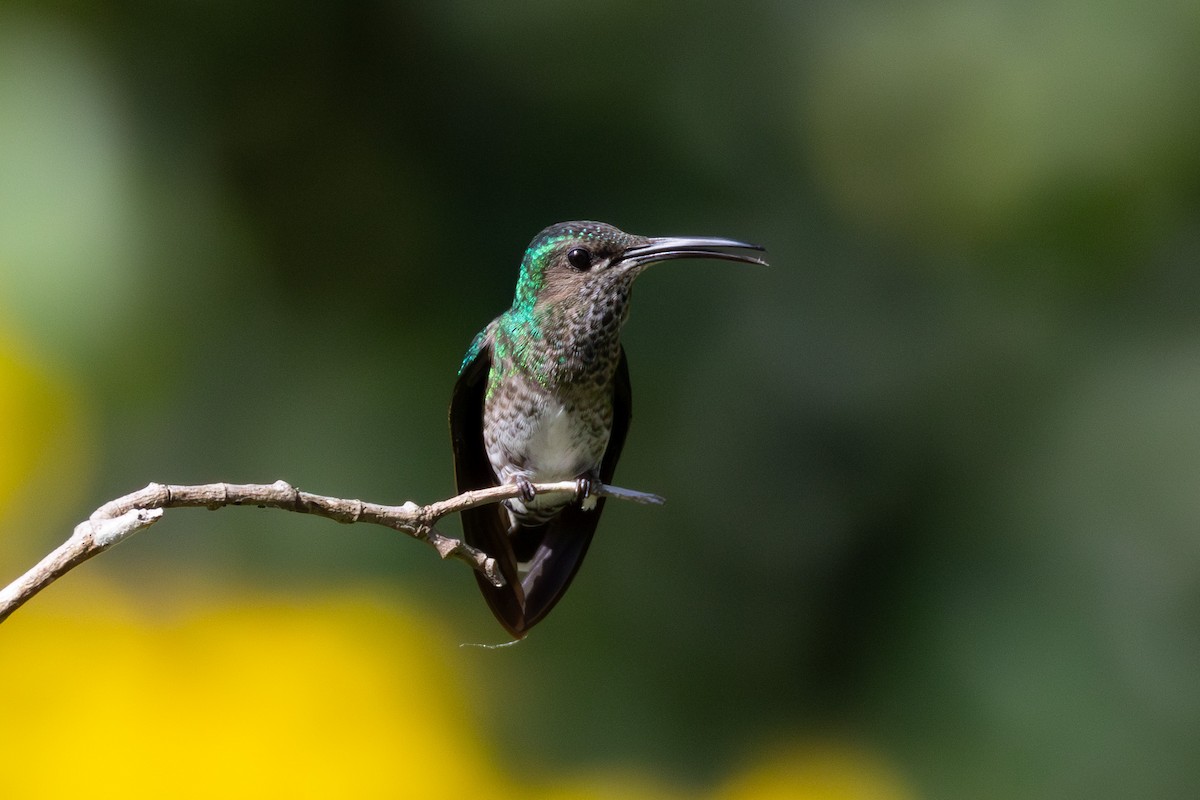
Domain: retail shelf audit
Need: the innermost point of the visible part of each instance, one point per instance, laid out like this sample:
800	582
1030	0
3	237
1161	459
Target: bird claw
583	488
583	493
525	487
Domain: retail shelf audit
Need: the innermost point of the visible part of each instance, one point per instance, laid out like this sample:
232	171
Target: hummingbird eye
580	258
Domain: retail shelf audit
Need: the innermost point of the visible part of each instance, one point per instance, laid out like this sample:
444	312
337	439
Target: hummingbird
543	395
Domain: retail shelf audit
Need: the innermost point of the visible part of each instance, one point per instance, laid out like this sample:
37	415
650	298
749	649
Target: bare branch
118	519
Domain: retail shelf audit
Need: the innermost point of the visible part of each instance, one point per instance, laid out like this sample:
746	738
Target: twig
119	519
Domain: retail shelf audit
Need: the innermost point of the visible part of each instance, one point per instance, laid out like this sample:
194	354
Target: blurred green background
933	477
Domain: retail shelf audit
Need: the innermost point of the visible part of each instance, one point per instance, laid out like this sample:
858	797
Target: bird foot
525	487
583	493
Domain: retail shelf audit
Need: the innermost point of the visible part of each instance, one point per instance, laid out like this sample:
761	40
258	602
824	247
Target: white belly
549	444
549	453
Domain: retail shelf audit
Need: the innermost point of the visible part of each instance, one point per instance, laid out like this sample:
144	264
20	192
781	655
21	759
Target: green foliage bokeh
932	476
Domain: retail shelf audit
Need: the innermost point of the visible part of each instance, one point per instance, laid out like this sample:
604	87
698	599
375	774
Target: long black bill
665	248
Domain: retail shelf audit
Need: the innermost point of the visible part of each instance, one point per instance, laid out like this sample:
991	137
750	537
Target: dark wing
564	539
485	527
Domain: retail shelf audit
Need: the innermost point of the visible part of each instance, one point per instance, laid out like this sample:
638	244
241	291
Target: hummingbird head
587	261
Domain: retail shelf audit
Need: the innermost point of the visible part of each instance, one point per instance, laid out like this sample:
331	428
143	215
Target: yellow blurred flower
341	697
335	699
